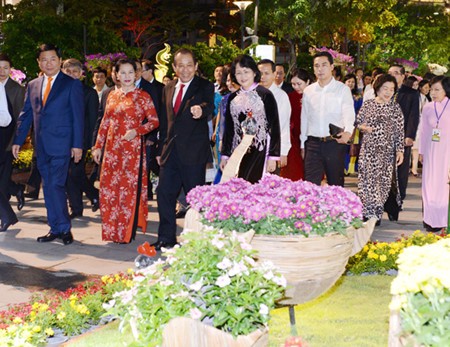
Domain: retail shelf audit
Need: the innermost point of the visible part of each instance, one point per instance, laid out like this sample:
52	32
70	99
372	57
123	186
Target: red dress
294	170
123	176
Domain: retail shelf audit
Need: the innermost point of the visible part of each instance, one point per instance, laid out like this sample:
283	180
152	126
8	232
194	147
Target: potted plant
222	295
309	231
420	307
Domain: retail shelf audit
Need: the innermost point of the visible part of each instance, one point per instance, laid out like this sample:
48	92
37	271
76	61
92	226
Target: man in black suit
184	146
145	80
279	79
7	126
77	182
408	99
15	95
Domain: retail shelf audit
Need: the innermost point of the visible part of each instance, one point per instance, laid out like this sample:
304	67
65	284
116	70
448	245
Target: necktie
47	90
177	105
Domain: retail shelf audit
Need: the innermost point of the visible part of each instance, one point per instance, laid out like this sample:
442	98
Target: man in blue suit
55	103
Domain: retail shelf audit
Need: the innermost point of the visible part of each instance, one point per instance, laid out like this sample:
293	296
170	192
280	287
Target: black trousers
7	186
35	178
403	172
77	183
173	176
6	212
324	158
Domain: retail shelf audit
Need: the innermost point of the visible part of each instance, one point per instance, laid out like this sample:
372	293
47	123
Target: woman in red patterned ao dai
123	178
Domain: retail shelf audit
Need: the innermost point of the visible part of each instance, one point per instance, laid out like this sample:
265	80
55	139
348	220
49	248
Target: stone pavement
27	266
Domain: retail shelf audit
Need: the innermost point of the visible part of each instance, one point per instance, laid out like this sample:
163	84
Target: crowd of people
315	128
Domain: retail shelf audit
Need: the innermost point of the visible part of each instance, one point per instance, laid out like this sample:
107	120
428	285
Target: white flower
246	246
166	282
263	309
268	275
108	305
224	264
280	280
195	313
196	286
171	260
223	281
237	269
182	294
249	260
218	243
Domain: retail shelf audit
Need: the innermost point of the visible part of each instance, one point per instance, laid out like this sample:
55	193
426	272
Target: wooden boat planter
311	265
186	332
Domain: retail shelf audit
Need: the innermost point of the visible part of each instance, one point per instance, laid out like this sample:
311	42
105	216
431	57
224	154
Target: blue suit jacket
59	125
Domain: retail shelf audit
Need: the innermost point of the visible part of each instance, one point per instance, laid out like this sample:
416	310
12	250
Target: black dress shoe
48	238
95	205
75	215
5	225
21	197
392	217
161	244
31	196
430	229
67	238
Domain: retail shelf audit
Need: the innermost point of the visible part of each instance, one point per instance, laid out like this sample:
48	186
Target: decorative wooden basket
396	336
187	332
312	264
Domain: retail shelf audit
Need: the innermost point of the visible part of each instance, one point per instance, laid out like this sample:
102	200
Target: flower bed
72	311
277	206
422	296
223	288
381	257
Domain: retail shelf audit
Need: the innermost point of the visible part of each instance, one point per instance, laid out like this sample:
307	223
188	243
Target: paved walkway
26	265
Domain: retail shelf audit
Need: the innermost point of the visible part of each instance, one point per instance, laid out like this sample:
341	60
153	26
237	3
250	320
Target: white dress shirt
321	106
284	114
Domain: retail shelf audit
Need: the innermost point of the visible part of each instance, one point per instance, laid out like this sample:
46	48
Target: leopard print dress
378	154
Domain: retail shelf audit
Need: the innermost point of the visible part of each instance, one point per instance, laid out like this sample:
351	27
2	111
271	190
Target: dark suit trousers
77	183
7	186
403	172
35	177
54	170
324	157
6	212
173	176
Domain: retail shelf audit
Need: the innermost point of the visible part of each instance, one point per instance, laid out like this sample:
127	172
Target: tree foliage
62	23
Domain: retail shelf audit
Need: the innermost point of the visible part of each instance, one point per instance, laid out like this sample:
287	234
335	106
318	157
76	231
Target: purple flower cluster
407	63
276	205
17	75
338	57
99	60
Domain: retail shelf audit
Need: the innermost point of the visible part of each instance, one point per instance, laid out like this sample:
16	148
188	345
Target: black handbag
335	130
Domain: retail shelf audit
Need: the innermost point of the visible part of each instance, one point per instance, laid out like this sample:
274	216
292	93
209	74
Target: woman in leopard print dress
381	121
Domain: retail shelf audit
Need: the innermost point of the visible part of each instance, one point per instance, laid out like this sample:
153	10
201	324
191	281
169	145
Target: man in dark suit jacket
15	95
155	89
184	146
7	123
77	182
408	99
54	102
280	75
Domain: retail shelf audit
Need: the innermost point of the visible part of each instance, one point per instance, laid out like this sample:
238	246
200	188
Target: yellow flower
37	329
365	248
17	320
105	279
35	306
130	271
129	283
61	315
73	297
49	332
383	257
82	309
43	308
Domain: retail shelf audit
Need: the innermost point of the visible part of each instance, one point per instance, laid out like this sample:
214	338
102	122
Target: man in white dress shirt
267	69
325	102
